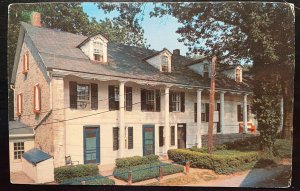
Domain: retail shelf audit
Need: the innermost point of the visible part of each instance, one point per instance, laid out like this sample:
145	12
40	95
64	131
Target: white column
221	110
245	114
281	115
121	119
199	104
167	122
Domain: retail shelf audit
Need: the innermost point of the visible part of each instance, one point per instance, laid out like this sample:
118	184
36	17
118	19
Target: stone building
96	100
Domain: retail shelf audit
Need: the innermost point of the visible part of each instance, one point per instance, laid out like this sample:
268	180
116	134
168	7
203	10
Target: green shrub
222	162
89	180
135	160
283	148
205	150
147	171
248	144
68	172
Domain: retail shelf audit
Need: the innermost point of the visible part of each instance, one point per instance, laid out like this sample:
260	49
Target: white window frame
98	50
82	103
164	63
176	102
19	149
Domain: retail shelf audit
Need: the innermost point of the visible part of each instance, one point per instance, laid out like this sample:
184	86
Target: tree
259	32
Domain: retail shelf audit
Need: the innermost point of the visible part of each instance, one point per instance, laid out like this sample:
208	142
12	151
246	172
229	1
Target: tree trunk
287	94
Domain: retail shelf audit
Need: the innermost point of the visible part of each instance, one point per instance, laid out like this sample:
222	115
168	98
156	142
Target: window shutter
172	135
239	112
111	98
36	99
207	112
94	96
161	136
115	138
182	100
130	137
73	95
19	104
248	110
143	99
195	112
128	92
170	102
157	100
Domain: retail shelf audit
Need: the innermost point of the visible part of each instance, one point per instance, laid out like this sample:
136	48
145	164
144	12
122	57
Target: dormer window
205	71
238	75
98	51
164	64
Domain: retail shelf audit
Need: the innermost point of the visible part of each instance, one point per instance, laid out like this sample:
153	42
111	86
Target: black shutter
94	96
73	95
128	95
161	136
172	135
170	102
239	112
143	99
111	98
157	100
207	112
195	112
182	100
248	110
130	137
115	138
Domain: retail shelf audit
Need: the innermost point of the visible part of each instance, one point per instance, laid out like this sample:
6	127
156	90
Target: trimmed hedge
68	172
222	162
135	160
89	180
147	171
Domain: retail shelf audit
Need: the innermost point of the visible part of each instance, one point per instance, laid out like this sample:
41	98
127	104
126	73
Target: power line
84	116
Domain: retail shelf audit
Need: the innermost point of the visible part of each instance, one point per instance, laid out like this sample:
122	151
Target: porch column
167	122
199	104
221	110
121	119
245	114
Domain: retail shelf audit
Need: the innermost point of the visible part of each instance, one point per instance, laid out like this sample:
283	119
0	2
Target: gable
200	67
159	59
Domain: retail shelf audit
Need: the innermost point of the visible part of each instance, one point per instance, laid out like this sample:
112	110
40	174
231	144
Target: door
181	135
91	144
148	140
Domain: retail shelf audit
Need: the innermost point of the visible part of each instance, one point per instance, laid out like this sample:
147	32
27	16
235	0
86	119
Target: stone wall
219	139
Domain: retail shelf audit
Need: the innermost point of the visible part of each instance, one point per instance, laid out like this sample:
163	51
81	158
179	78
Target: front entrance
91	144
181	135
148	140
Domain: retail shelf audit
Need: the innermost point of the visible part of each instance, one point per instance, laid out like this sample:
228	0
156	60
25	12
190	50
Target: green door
91	144
148	140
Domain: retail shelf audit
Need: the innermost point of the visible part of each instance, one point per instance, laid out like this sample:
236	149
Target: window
165	64
195	112
98	51
19	104
238	75
18	150
205	112
37	99
128	98
177	102
205	70
82	95
150	100
161	136
25	63
130	137
172	135
113	96
116	138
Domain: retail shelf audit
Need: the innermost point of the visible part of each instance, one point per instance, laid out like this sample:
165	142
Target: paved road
263	177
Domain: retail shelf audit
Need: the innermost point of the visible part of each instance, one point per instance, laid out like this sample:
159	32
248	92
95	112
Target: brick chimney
36	19
176	52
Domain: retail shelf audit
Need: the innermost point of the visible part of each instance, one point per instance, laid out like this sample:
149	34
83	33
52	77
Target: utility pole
211	104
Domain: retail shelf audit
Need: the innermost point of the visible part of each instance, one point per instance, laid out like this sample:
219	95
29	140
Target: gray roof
18	128
35	156
59	50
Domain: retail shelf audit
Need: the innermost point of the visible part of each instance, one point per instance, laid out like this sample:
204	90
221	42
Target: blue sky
159	32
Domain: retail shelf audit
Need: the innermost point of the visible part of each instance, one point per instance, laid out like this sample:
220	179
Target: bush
68	172
147	171
283	148
248	144
89	180
222	162
135	160
205	150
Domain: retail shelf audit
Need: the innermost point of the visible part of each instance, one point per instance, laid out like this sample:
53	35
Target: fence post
82	182
129	177
187	167
161	173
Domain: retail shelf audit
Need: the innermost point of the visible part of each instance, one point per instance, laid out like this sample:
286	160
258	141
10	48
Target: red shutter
25	62
19	104
37	95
